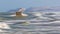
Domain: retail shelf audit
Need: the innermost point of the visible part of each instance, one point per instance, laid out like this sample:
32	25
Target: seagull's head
22	9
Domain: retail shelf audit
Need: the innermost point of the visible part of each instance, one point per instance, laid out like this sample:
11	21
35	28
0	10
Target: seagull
19	13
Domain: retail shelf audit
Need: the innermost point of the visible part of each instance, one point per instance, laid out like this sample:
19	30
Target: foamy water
47	24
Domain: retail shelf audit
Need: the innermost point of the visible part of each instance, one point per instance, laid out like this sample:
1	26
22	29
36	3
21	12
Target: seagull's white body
24	14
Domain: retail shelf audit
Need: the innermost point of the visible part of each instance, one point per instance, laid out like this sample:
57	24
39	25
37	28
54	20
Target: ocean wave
44	23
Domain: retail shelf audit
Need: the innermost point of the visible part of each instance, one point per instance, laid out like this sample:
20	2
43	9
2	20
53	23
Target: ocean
47	23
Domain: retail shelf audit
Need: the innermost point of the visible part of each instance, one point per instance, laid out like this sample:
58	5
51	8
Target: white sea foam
4	25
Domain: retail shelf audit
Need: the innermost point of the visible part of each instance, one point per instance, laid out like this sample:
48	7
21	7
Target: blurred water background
47	23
